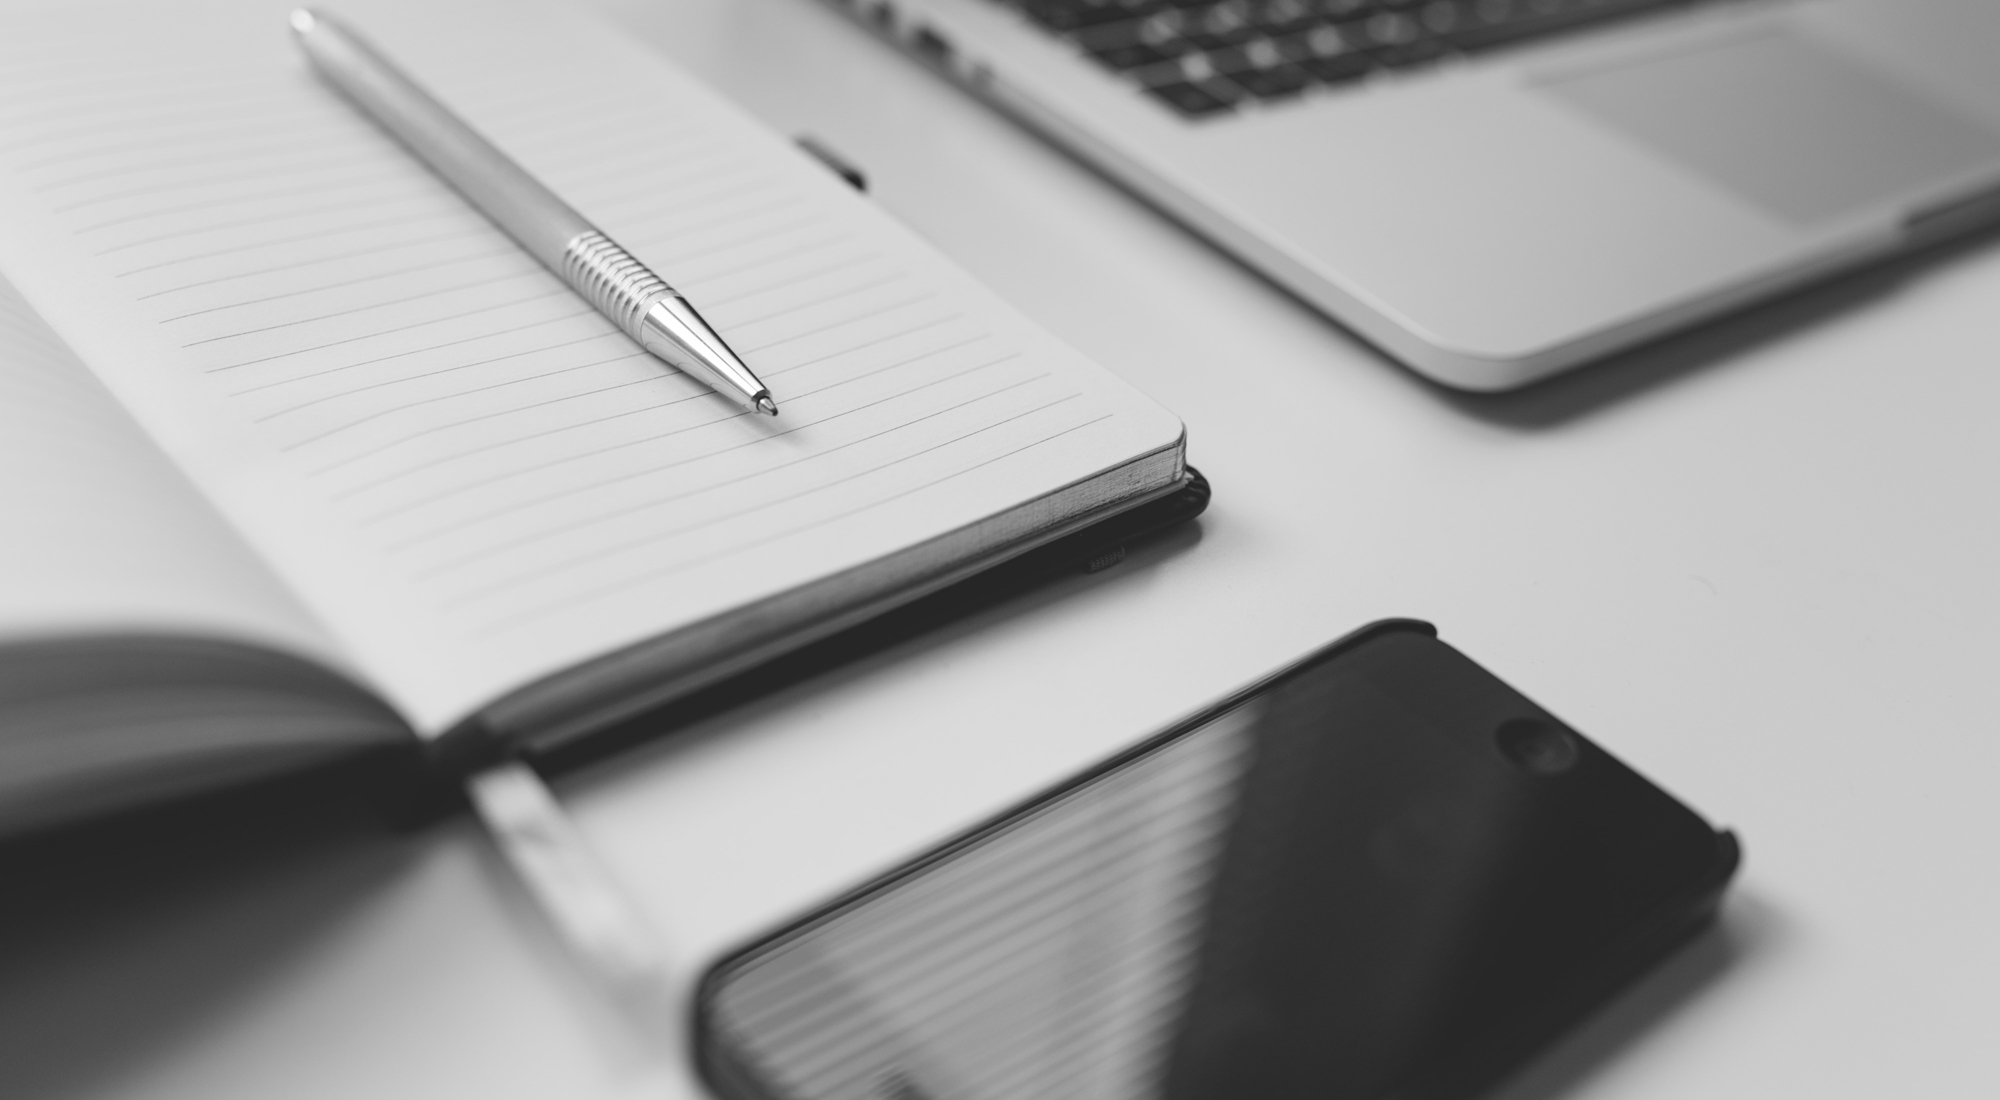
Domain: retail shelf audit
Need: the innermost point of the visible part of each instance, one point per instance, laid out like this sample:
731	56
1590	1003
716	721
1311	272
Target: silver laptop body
1491	205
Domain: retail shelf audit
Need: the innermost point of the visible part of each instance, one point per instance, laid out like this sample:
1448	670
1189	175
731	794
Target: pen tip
766	406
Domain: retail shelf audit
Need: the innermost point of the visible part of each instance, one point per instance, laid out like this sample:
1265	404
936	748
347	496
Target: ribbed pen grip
621	287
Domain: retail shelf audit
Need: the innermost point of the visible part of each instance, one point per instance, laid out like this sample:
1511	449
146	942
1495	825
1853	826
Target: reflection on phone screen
1353	885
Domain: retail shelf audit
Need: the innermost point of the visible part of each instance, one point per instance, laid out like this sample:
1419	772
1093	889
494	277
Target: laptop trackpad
1794	128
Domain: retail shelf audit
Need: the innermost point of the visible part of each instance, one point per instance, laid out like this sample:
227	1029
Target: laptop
1495	190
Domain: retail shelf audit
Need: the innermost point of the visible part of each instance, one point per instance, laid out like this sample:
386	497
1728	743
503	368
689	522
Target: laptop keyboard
1202	57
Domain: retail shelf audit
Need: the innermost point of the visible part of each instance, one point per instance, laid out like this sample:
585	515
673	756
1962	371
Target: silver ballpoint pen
609	278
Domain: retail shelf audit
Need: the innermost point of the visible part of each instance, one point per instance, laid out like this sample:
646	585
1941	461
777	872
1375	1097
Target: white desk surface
1757	564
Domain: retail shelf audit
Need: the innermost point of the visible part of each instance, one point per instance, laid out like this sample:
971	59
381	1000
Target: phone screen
1383	873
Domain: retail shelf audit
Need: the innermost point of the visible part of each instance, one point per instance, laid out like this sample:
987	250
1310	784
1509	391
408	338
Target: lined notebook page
469	474
103	536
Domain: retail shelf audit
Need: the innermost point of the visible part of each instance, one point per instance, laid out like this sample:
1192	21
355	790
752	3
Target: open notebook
298	451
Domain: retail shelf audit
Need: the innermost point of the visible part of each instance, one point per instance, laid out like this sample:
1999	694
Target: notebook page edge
580	700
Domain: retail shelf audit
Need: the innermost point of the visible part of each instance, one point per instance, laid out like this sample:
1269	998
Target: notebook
298	453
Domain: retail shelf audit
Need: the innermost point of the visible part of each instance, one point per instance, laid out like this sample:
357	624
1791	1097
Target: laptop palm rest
1791	127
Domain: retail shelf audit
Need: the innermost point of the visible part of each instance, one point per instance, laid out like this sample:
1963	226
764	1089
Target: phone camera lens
1536	746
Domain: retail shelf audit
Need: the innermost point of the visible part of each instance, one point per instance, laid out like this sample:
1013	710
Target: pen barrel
510	197
613	280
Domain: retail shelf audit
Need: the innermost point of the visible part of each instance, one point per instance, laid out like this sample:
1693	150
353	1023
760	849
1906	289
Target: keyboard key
1410	53
1441	17
1394	39
1105	36
1322	41
1387	29
1206	56
1261	54
1163	33
1274	83
1236	61
1486	23
1192	68
1194	100
1225	24
1340	68
1130	56
1277	17
1325	54
1070	15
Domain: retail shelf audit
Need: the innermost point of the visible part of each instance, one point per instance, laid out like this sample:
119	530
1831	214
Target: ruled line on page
844	322
339	184
698	205
285	127
455	395
580	600
651	539
869	343
661	172
267	153
587	128
517	505
281	242
540	295
157	123
363	488
487	335
607	335
278	170
794	253
115	100
744	224
312	261
659	169
817	424
483	417
520	272
758	235
275	217
136	69
653	439
69	110
189	105
495	478
716	301
429	265
930	353
591	118
834	295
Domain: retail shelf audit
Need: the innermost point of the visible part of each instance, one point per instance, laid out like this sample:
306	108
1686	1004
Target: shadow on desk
1716	344
1743	930
121	938
956	612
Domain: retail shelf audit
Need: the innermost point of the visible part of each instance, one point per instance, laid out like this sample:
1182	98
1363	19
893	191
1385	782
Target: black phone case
1602	876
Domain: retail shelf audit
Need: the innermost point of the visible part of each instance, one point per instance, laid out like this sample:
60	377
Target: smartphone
1380	872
